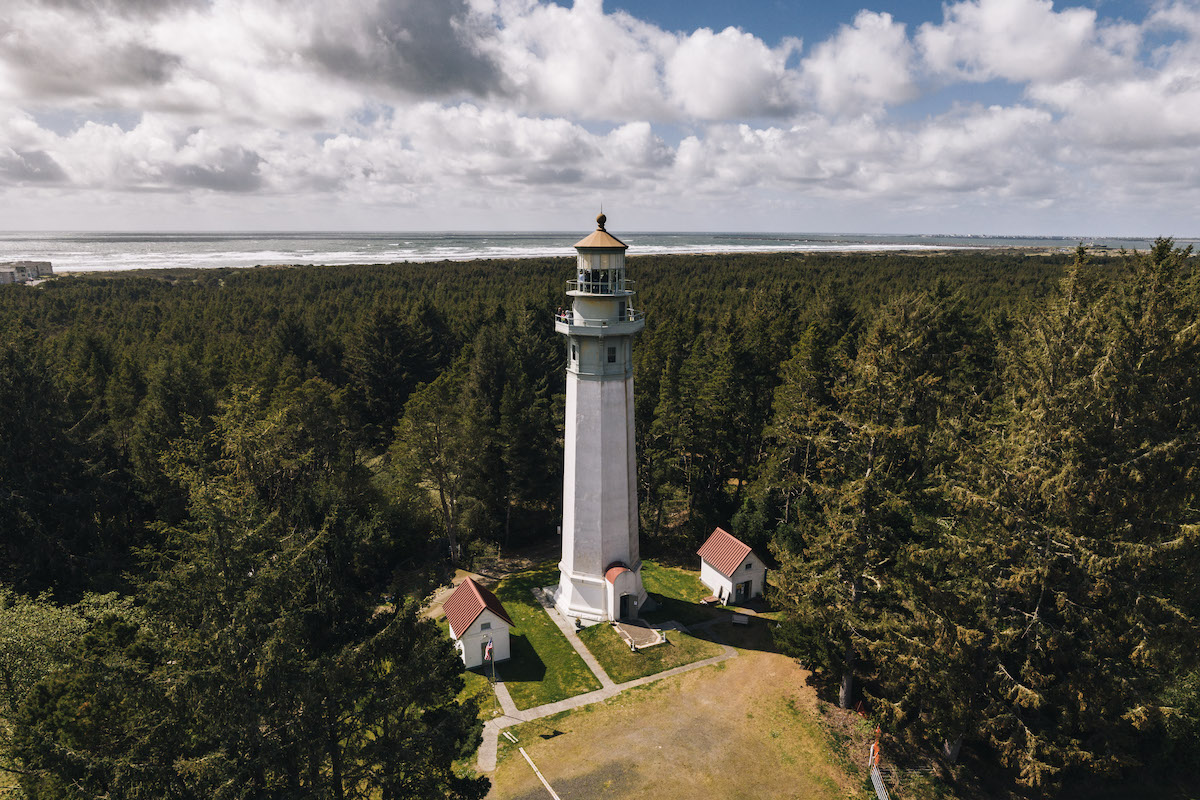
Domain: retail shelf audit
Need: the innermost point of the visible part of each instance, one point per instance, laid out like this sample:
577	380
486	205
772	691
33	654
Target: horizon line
569	232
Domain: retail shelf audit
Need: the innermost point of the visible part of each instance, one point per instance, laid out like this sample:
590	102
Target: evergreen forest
224	495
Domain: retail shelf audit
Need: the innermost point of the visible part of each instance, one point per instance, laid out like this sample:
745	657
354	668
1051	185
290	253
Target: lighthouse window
573	356
612	355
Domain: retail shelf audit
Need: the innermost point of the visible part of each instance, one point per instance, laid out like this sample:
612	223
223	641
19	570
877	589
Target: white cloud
1015	40
580	61
865	66
731	74
1143	107
264	107
1176	16
996	152
635	146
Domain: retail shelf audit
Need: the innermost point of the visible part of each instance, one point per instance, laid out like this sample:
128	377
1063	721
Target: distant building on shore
24	271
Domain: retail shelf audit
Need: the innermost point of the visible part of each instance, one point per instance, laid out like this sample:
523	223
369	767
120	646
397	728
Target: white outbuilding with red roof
476	618
730	568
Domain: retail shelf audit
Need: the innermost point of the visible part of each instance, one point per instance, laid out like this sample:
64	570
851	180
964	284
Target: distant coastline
107	252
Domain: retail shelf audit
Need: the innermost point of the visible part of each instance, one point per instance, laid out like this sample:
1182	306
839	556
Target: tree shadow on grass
523	664
756	634
681	611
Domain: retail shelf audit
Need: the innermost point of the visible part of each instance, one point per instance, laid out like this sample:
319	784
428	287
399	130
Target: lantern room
600	264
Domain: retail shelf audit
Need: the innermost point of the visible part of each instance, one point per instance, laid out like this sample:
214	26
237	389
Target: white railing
598	287
568	318
881	791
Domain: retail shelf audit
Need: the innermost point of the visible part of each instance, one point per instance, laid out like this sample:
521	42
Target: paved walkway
486	759
568	629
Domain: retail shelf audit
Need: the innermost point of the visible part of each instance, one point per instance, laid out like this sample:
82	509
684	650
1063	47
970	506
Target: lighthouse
601	567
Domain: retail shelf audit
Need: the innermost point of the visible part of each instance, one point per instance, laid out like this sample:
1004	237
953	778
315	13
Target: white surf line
538	772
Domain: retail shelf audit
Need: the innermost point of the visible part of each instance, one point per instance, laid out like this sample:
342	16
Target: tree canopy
224	494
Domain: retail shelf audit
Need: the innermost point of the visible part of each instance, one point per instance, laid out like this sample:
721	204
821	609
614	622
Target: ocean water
98	252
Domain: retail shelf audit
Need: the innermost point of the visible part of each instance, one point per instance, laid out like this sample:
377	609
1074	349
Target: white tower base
586	598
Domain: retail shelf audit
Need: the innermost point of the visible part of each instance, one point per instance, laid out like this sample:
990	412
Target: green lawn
479	687
543	667
678	593
680	584
622	665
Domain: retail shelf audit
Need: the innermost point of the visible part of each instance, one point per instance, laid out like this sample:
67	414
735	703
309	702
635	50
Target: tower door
626	606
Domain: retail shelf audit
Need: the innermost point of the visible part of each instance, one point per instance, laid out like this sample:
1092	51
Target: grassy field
744	728
679	584
678	594
543	667
479	687
622	665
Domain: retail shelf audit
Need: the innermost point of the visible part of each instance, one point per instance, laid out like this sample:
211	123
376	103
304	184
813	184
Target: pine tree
264	596
862	458
387	359
431	451
103	726
1091	487
529	422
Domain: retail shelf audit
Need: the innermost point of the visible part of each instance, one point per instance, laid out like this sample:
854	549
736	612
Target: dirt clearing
747	727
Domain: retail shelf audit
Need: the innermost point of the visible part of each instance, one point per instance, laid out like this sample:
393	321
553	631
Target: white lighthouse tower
601	567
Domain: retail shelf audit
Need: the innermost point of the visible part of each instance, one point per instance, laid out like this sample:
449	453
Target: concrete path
486	759
568	630
506	702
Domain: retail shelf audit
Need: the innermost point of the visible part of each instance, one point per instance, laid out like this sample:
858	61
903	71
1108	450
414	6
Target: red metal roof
613	571
467	602
724	551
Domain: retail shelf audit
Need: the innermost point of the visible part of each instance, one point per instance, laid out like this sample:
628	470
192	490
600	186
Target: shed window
612	355
486	626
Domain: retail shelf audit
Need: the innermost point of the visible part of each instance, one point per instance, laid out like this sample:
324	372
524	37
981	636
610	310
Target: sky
1010	117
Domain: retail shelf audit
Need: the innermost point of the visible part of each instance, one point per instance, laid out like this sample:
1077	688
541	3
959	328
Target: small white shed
730	568
476	617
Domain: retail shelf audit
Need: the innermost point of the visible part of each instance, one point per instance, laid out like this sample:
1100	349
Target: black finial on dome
600	220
